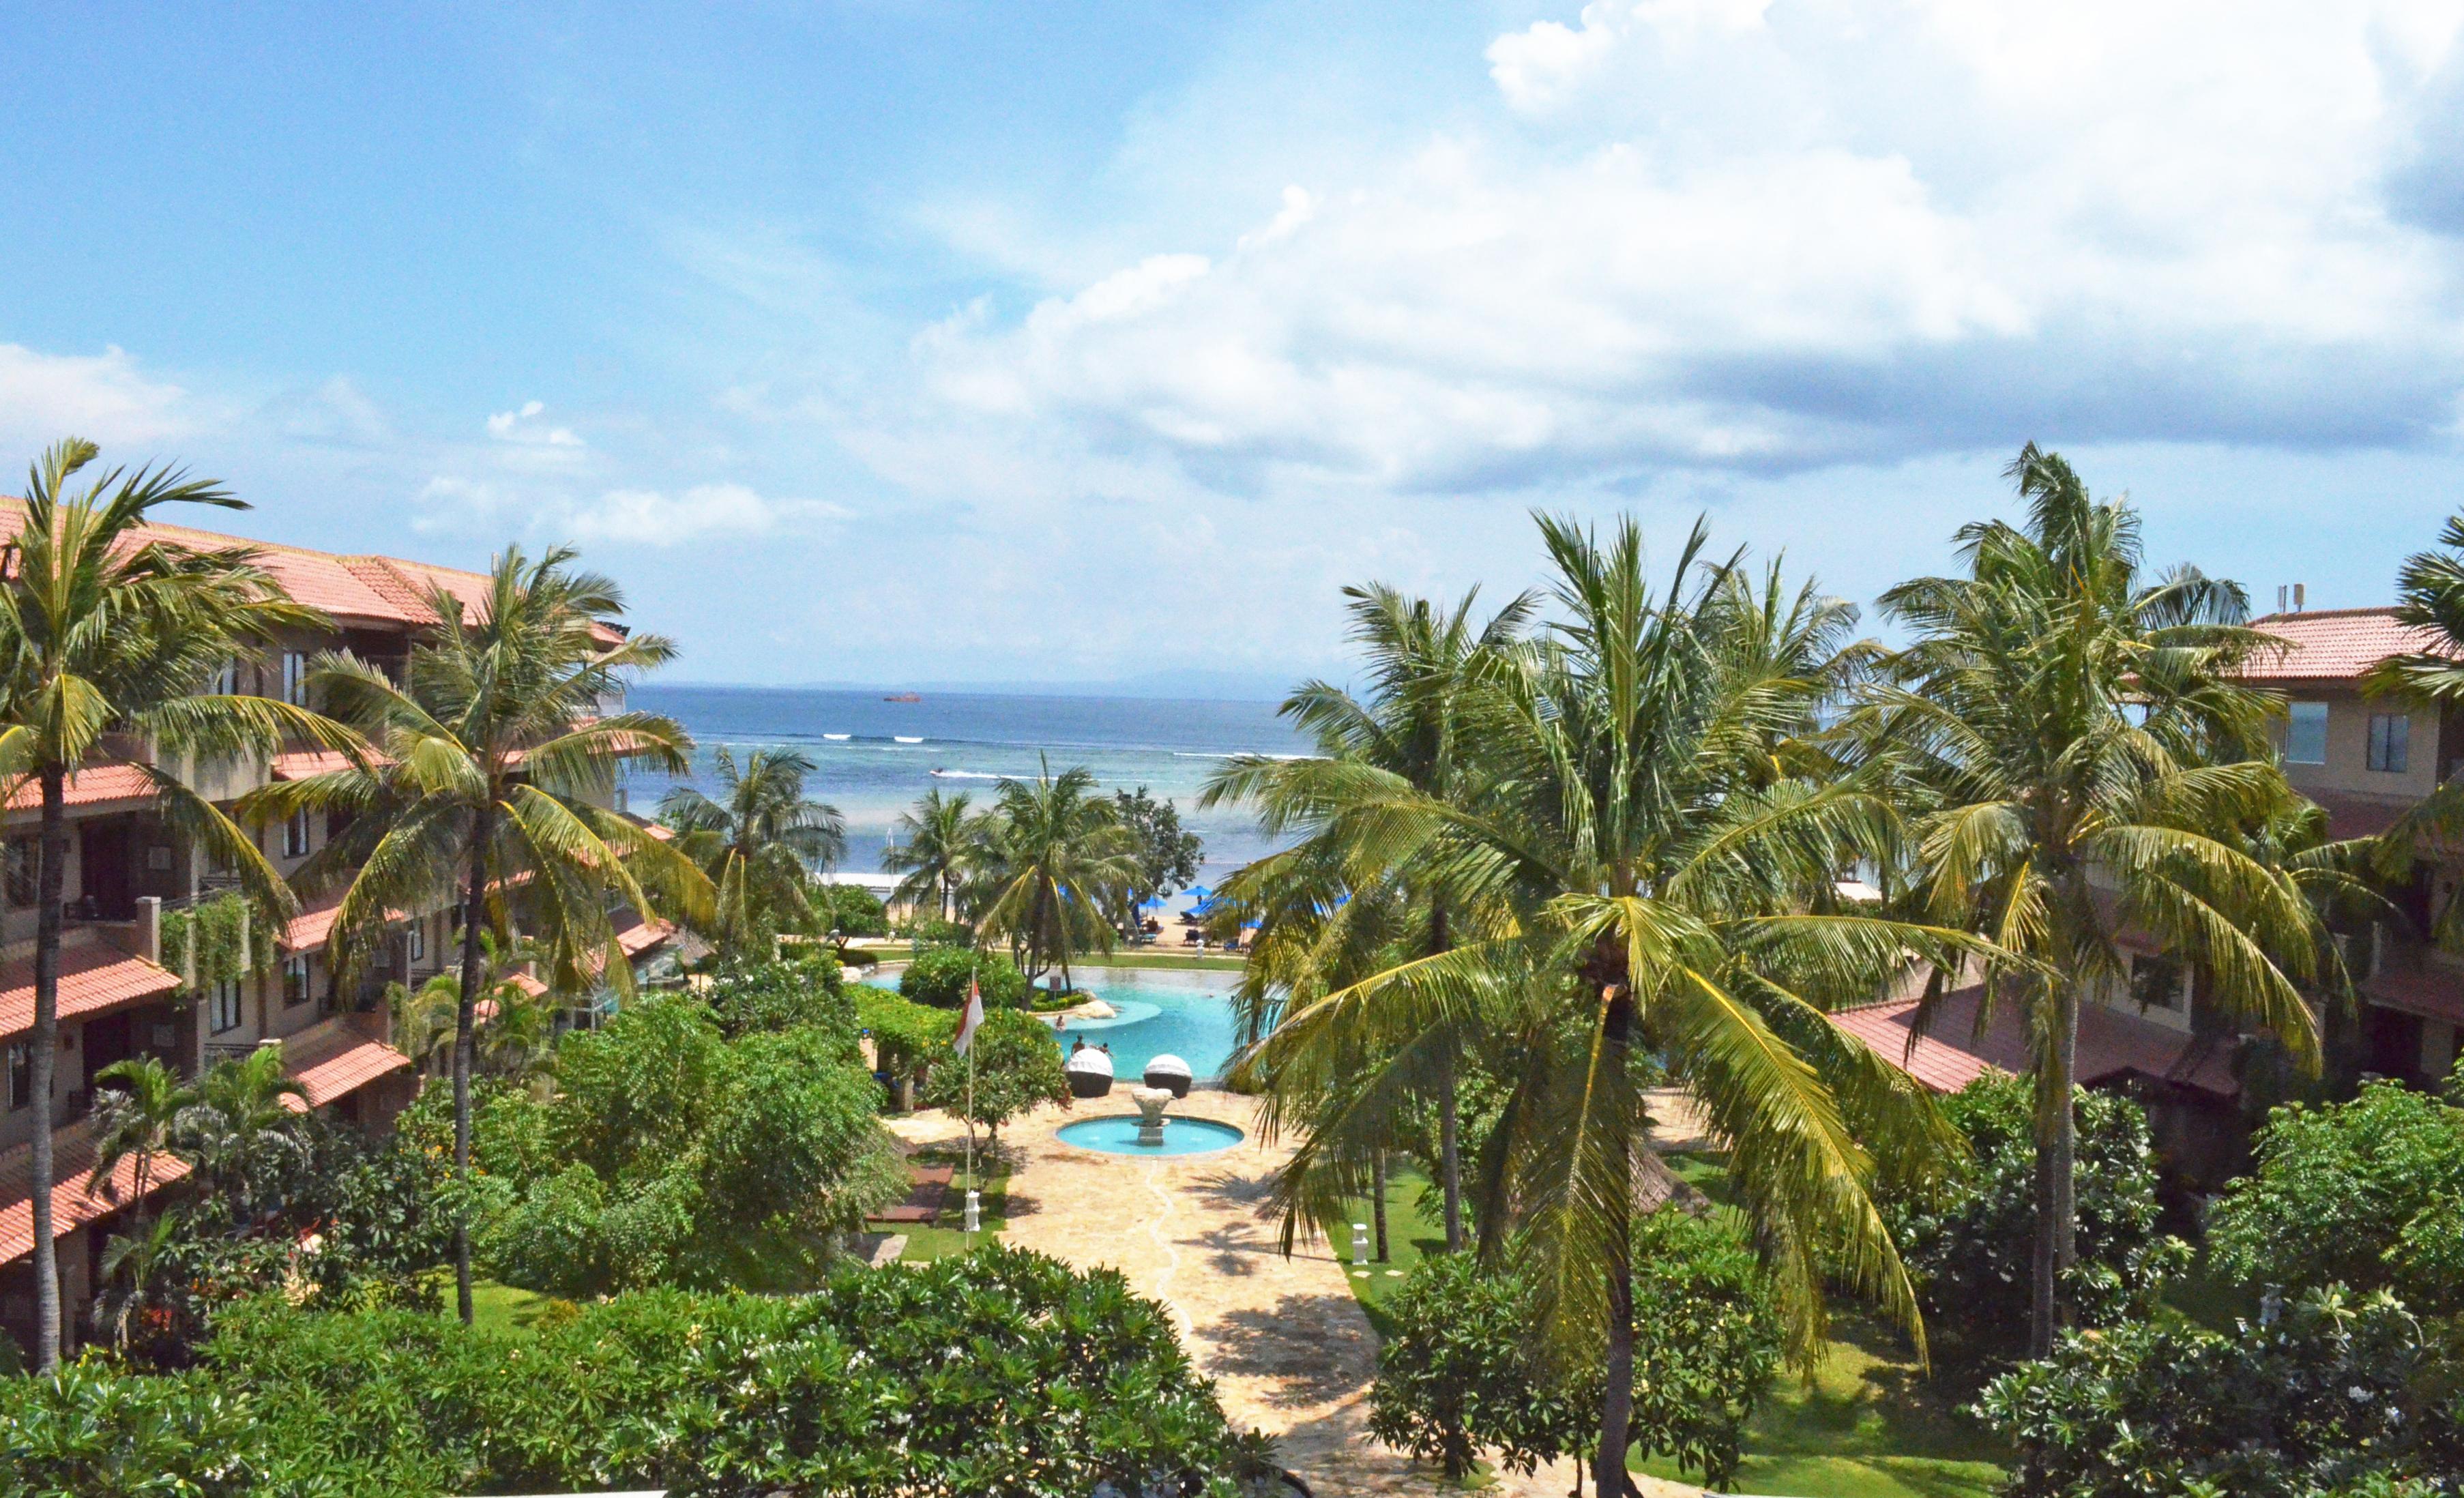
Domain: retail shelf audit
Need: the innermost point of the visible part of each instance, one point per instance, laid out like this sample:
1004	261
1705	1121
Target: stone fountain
1151	1102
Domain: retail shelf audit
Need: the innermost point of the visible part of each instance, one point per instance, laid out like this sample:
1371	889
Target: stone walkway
1286	1343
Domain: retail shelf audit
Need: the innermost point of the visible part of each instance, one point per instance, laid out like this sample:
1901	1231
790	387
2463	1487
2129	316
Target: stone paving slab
1284	1338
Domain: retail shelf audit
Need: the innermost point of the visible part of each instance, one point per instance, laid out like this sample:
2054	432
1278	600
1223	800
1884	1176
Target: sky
894	340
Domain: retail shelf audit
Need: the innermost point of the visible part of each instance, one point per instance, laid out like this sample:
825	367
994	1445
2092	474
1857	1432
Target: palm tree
1636	880
757	842
489	784
1058	857
1312	935
244	1124
517	1040
938	844
138	1118
106	628
2089	769
131	1265
2429	596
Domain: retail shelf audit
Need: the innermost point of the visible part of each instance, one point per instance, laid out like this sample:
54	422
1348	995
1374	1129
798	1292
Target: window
2159	983
225	681
295	677
419	941
2305	735
224	1011
2391	737
21	1075
295	835
295	982
22	858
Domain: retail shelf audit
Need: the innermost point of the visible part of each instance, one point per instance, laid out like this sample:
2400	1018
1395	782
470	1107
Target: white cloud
651	518
103	397
1727	233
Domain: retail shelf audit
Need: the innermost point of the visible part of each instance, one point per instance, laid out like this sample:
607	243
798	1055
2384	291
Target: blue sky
931	342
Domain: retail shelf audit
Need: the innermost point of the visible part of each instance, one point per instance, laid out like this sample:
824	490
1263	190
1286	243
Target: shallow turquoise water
1119	1136
1184	1013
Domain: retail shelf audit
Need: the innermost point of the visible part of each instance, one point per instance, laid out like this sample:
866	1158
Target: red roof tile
77	1198
313	926
2334	645
336	1057
2112	1044
94	979
637	936
300	763
2428	992
95	785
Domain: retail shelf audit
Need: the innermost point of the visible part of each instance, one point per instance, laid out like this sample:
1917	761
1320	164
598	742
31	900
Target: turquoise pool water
1119	1136
1185	1013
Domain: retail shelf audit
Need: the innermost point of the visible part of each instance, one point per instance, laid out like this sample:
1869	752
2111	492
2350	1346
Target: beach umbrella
1199	893
1152	902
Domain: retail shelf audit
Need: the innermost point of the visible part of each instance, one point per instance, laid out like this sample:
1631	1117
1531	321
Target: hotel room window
225	682
295	982
224	1011
295	677
20	858
2159	983
21	1075
2305	733
295	835
419	941
2390	734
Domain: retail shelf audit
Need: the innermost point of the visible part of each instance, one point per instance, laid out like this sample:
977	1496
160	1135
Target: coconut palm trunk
2057	1170
466	1025
1616	1260
50	874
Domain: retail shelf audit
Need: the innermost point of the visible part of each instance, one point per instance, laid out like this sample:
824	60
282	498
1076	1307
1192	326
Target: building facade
137	895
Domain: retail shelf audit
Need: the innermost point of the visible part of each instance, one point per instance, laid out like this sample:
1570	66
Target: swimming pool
1183	1012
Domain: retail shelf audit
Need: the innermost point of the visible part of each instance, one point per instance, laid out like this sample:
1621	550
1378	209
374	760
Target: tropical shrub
1966	1239
777	995
934	932
93	1433
1463	1372
906	1035
2341	1394
1466	1371
2369	1192
848	909
1017	1065
938	977
1069	1382
671	1154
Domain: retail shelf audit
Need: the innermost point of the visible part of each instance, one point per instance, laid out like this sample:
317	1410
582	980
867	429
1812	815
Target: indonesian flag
974	1016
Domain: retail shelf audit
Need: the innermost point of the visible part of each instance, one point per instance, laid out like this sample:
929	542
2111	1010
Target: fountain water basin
1123	1133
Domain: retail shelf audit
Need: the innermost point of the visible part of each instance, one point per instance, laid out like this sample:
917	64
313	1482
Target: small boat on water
904	739
838	739
904	697
1090	1072
1169	1073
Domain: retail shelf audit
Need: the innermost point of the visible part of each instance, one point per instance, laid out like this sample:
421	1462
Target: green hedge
998	1373
939	977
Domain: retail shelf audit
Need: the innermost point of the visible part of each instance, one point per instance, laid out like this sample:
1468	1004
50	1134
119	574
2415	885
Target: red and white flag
974	1016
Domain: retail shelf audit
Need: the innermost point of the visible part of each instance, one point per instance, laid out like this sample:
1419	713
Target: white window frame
295	834
2302	718
295	677
305	991
18	1061
2391	745
227	1007
419	941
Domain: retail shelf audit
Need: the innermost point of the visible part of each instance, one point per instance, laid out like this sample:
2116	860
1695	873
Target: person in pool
1078	1045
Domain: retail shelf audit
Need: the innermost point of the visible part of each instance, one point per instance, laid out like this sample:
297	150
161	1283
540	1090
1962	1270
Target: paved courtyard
1283	1337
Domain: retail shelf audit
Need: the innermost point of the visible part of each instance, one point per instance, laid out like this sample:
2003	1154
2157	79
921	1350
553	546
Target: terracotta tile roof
2333	644
383	590
637	936
2112	1044
2426	991
94	979
336	1057
77	1198
95	785
298	764
522	980
313	925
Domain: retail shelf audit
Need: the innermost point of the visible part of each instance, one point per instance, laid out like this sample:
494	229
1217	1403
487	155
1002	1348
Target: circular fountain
1150	1131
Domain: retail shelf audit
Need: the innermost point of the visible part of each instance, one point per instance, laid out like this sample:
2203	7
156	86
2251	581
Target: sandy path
1283	1337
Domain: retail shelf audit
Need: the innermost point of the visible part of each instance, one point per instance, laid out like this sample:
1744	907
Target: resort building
2366	762
159	957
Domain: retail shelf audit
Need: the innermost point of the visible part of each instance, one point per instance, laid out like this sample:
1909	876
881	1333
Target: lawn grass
1415	1229
500	1306
1137	957
949	1236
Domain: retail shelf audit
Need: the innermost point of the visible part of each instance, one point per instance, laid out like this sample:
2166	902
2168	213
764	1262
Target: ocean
874	757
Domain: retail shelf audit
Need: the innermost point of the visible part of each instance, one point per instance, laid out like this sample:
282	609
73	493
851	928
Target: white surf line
1171	1256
